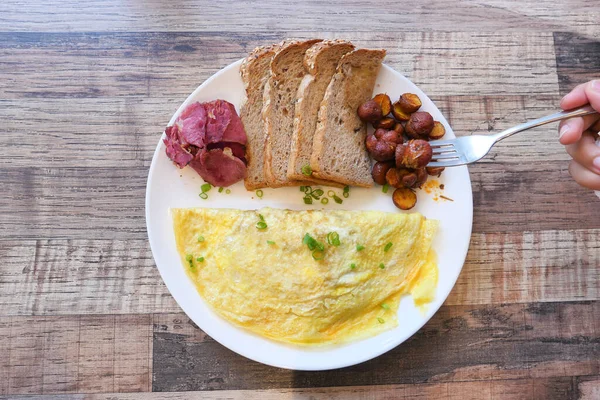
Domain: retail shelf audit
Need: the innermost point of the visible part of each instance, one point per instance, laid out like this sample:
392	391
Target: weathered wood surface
86	89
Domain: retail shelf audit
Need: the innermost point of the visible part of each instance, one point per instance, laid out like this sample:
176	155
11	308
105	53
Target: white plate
169	187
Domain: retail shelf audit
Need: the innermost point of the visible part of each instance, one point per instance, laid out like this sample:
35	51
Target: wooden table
86	89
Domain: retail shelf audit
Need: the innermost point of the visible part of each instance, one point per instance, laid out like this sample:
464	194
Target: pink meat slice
219	167
223	124
175	150
192	125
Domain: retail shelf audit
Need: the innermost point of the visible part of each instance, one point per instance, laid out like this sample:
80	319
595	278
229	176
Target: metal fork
469	149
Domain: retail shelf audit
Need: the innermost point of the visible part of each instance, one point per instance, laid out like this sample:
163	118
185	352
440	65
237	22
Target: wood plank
588	388
526	389
70	354
576	59
460	343
172	65
347	16
99	276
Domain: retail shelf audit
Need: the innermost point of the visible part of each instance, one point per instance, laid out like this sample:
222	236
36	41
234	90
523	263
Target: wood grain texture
514	389
119	277
577	59
75	354
460	343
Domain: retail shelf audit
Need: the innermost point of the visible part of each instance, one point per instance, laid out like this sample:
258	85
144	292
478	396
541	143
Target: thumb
592	91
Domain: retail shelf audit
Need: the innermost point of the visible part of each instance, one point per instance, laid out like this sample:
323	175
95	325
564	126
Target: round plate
170	187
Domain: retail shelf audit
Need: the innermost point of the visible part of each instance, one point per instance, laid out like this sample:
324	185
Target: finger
583	176
587	93
569	130
585	152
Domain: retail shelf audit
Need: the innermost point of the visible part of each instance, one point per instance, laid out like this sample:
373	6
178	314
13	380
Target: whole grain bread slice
279	97
339	152
255	71
320	63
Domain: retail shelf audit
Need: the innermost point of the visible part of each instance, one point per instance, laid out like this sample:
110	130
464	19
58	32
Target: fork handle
579	112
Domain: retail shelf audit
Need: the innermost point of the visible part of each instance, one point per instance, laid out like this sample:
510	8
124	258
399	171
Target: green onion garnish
190	259
206	187
330	193
307	200
318	192
352	266
381	266
220	190
261	225
259	193
324	200
385	188
380	320
200	238
260	216
346	189
307	170
203	196
345	194
337	199
360	247
307	189
312	243
388	247
385	306
227	191
333	238
318	254
200	259
302	189
270	242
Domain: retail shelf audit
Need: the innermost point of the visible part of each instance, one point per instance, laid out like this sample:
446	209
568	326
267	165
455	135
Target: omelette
308	277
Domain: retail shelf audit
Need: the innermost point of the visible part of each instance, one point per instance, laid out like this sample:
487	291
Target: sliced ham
209	137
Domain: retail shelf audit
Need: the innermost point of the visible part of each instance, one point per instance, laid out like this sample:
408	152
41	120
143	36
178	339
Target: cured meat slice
219	167
223	124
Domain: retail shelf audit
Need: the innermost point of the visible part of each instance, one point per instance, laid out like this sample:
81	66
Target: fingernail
596	85
564	129
596	163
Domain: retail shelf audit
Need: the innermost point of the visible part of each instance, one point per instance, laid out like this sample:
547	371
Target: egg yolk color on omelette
255	269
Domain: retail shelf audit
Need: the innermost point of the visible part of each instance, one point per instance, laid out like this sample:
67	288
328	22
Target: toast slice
320	63
339	151
279	98
255	70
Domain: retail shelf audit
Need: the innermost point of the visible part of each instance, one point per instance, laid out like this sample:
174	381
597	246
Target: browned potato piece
437	171
404	198
380	150
384	102
393	178
413	154
438	131
421	174
399	113
419	125
407	177
399	128
379	170
385	123
370	111
410	102
389	136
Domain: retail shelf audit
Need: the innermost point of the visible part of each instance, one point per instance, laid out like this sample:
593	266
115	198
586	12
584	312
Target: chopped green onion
324	200
381	266
330	193
261	225
380	320
200	259
319	192
227	191
302	188
385	306
385	188
270	242
260	216
333	238
189	257
315	195
220	190
206	187
346	189
259	193
312	243
387	247
360	247
307	170
307	189
200	238
203	196
337	199
352	266
307	200
345	194
318	254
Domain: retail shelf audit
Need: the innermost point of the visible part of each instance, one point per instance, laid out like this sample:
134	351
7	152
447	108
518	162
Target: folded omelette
308	277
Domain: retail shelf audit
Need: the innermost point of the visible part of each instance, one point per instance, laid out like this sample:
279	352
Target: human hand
579	135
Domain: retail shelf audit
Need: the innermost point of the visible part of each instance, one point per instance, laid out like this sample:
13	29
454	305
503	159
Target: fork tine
454	163
442	143
443	150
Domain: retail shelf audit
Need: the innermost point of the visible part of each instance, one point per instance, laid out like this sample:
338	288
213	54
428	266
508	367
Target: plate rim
240	350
